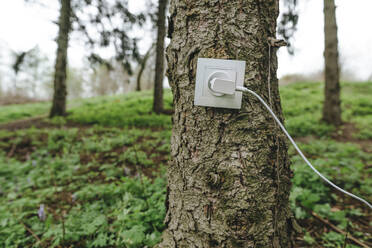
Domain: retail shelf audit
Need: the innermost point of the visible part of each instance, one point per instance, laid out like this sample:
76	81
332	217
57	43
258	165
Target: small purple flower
29	180
33	163
41	213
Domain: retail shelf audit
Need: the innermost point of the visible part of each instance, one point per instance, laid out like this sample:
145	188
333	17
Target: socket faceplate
209	69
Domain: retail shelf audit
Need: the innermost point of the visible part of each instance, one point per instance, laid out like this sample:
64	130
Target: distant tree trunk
159	66
60	74
332	103
142	68
229	179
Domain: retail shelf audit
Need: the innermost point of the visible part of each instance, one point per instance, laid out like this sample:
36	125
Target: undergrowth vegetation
21	111
349	168
98	177
95	187
133	110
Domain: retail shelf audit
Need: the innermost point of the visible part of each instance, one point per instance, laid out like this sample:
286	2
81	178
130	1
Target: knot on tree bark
276	42
214	180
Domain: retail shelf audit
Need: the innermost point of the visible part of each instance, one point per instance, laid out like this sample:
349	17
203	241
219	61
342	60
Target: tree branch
348	236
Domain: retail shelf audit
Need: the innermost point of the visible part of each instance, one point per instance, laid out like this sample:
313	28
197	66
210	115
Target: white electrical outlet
217	72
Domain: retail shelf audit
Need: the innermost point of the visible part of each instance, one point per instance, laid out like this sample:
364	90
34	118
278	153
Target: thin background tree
332	90
112	21
158	104
332	102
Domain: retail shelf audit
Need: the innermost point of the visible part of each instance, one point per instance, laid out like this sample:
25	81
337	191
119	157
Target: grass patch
303	102
131	110
21	111
302	109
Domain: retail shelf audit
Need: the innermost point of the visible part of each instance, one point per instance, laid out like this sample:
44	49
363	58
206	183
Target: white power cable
243	89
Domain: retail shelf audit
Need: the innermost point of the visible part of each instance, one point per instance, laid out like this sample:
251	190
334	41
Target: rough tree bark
159	67
229	178
60	73
332	103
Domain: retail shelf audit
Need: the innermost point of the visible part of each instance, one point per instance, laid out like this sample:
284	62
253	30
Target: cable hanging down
243	89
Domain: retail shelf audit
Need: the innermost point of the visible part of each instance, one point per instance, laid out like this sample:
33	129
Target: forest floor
97	178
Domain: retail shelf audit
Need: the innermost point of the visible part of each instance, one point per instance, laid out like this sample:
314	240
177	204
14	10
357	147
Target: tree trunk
159	67
142	68
229	179
332	103
60	74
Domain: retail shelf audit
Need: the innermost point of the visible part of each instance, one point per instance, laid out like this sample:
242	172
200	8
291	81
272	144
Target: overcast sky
354	19
22	26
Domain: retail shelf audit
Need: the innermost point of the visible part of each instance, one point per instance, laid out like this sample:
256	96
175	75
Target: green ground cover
131	110
20	111
98	177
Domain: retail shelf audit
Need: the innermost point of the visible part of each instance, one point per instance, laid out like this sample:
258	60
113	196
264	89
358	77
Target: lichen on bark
229	178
